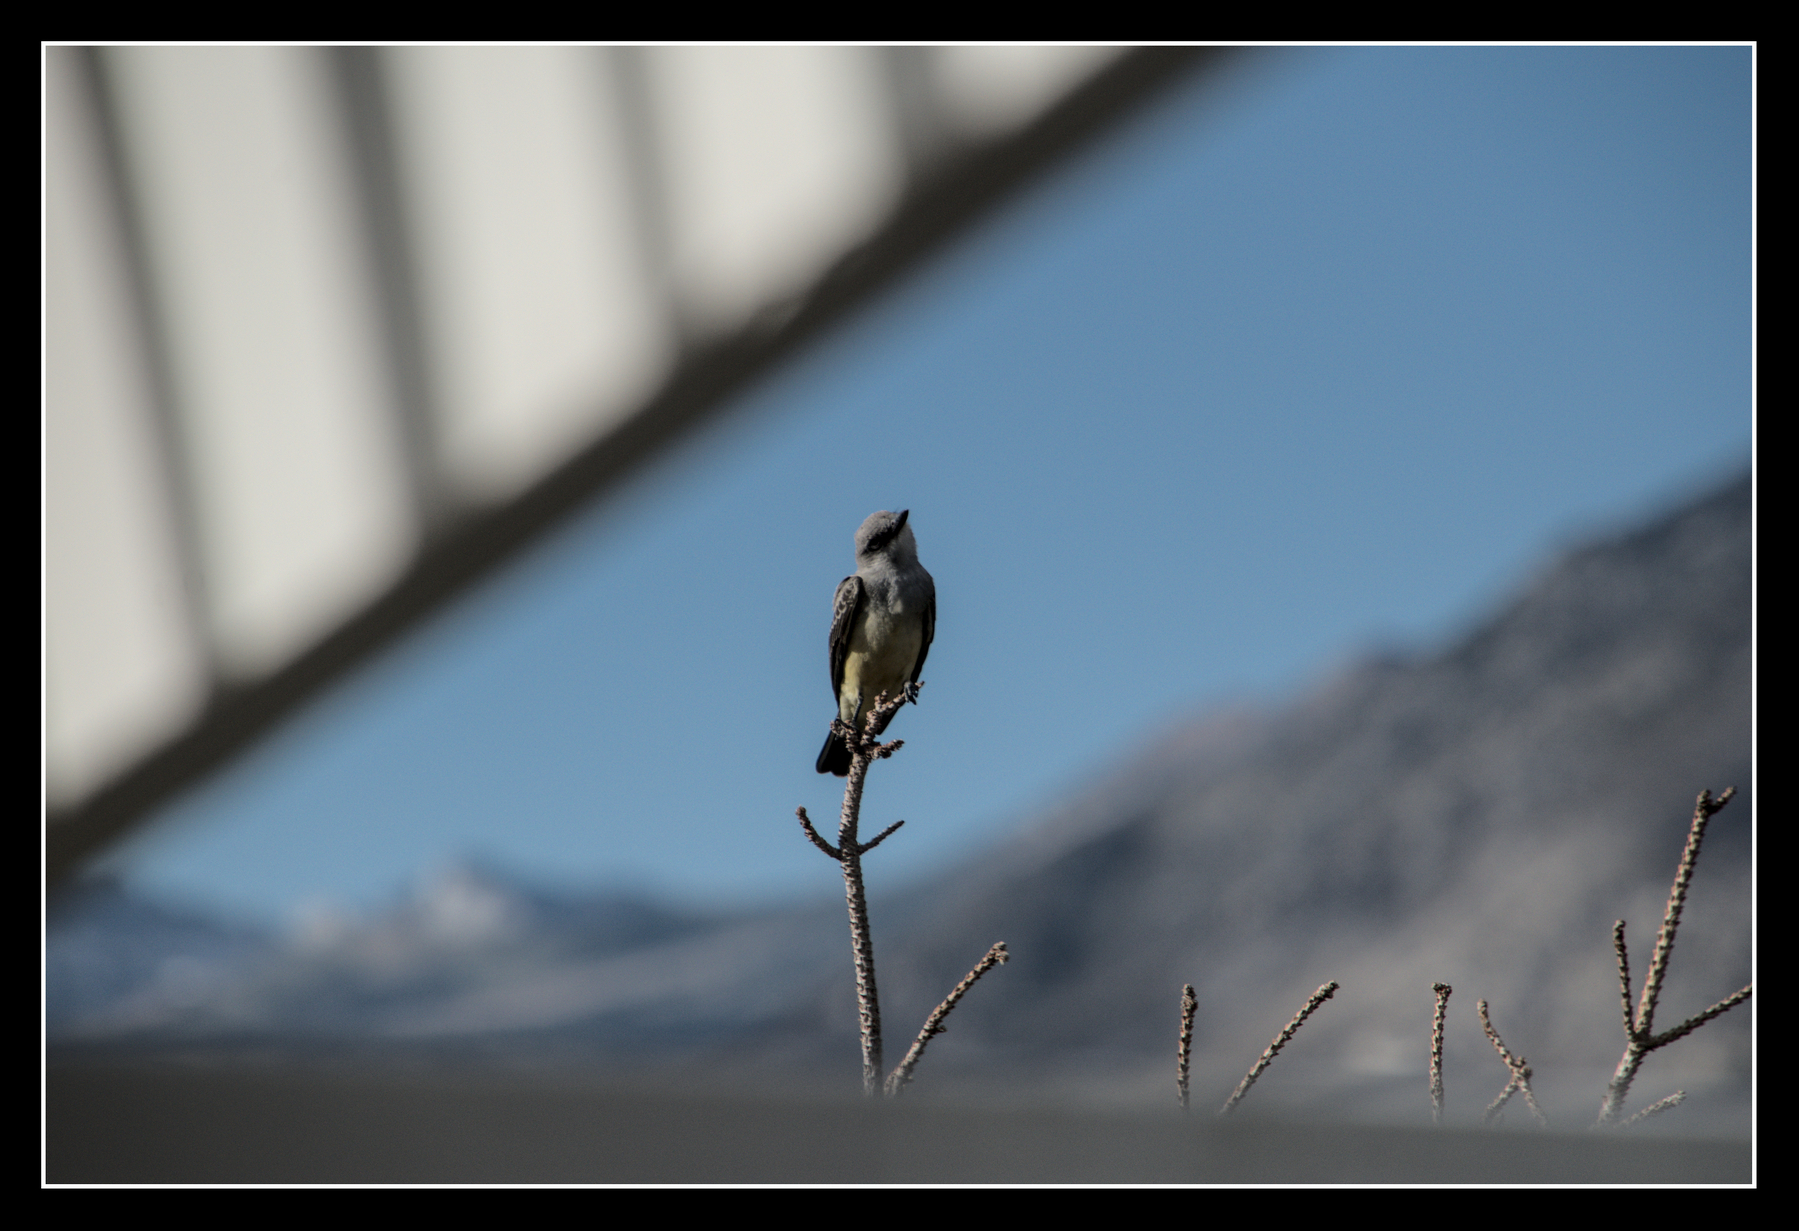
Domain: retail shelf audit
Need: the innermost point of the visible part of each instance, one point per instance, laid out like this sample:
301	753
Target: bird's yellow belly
881	657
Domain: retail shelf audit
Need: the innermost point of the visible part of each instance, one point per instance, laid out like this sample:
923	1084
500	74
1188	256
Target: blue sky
1324	358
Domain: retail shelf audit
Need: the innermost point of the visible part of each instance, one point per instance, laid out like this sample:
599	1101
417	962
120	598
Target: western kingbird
882	623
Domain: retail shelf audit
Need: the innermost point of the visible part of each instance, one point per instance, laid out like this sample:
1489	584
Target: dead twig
1184	1051
820	843
1436	1051
933	1026
1639	1026
1623	952
879	838
1656	1108
1317	998
1699	1019
1520	1081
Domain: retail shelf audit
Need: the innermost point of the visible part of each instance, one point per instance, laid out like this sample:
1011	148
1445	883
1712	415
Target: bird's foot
912	693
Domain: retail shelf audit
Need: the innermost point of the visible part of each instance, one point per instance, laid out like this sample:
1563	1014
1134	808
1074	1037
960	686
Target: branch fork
1520	1067
1639	1021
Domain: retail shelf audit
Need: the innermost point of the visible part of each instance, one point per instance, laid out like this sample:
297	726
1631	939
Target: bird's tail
834	757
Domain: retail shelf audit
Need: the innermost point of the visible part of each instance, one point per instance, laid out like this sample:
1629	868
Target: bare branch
1184	1051
1498	1104
868	998
820	843
1656	1108
878	838
1530	1098
1520	1082
1699	1019
1486	1023
1318	997
1630	1013
933	1026
862	948
864	748
1436	1050
1639	1036
1703	809
848	853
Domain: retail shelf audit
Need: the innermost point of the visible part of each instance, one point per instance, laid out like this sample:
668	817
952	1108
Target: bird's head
886	533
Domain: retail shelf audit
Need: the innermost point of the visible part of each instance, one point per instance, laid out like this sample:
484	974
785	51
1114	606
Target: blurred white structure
329	331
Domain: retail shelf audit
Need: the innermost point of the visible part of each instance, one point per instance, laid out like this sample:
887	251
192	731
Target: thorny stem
1639	1034
1623	951
1184	1052
860	940
933	1026
865	749
863	752
1520	1081
1703	809
1318	997
868	997
1436	1051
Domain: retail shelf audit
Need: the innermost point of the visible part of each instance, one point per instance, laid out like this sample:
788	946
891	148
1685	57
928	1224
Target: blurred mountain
1477	816
476	953
116	963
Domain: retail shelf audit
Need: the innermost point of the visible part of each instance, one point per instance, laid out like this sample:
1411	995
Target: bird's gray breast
884	643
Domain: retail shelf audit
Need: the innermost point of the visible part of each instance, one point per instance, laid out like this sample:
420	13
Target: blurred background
450	454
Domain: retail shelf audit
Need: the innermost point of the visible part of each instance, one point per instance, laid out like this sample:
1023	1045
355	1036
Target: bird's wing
930	630
843	619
